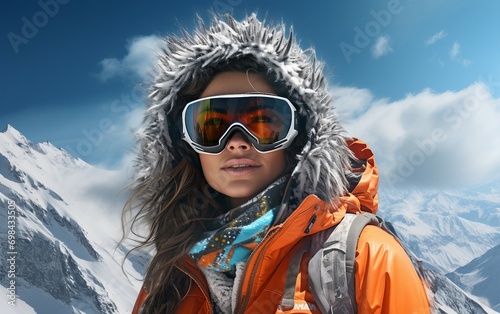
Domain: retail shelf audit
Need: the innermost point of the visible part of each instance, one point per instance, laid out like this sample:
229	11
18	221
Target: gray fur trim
322	162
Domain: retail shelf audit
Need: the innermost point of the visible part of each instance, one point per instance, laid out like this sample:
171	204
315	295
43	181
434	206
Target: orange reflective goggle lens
267	121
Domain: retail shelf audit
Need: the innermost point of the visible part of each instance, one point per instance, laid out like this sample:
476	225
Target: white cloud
102	189
436	37
465	62
456	56
350	102
455	50
138	61
382	46
121	139
100	193
430	139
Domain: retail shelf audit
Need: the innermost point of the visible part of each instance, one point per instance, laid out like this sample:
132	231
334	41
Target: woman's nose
238	142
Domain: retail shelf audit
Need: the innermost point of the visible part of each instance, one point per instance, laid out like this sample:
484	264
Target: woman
242	162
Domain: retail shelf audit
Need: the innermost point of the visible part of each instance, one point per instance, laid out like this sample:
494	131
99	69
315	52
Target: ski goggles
268	122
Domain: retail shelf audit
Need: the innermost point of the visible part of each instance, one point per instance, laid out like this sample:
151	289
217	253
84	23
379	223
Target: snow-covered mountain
481	277
449	229
63	256
68	224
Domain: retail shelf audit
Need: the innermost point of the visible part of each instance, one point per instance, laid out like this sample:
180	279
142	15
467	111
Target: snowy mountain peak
14	143
65	222
34	165
12	135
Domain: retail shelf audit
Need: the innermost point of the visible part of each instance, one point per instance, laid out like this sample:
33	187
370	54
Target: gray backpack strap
287	302
357	226
326	269
331	267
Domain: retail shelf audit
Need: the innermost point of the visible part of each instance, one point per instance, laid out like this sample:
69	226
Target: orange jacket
385	279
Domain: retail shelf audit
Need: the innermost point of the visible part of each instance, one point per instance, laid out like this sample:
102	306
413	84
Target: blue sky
418	80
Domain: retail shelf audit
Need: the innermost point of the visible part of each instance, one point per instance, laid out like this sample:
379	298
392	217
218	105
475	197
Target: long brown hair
176	214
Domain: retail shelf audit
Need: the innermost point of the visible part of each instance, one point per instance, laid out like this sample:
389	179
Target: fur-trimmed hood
324	159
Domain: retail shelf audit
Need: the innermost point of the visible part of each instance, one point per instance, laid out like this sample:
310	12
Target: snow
37	299
77	208
444	228
480	277
19	307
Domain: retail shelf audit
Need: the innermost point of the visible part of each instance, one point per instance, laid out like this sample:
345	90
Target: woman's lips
240	166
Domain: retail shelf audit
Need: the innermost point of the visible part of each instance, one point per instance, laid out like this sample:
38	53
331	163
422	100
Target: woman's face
240	171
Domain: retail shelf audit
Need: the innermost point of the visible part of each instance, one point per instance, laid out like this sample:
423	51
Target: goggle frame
236	126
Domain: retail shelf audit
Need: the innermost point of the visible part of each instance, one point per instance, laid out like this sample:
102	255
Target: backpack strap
331	267
326	269
358	224
287	302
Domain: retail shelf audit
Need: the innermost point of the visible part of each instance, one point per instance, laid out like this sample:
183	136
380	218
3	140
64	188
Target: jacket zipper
241	305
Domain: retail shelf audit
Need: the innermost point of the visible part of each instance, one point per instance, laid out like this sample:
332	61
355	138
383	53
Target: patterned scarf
235	234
